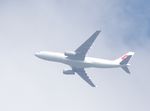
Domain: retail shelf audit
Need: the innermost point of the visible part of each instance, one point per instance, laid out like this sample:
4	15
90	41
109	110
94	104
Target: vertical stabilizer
123	60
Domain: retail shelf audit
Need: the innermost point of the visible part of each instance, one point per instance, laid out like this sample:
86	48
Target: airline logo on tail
123	61
124	57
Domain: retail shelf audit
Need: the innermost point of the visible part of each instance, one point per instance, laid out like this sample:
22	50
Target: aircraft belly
72	63
103	65
77	64
82	64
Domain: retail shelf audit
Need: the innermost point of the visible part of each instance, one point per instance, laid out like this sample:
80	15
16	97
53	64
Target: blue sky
27	83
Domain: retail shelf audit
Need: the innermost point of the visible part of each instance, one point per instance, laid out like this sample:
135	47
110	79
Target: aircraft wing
83	49
84	76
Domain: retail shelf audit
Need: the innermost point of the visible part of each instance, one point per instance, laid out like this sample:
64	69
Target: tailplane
126	69
123	61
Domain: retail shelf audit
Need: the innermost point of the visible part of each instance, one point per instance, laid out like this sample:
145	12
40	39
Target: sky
29	26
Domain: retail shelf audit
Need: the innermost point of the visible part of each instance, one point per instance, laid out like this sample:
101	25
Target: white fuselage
87	63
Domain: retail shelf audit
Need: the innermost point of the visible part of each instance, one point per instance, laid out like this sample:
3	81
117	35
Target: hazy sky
30	84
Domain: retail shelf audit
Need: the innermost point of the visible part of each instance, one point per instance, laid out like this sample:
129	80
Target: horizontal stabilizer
126	69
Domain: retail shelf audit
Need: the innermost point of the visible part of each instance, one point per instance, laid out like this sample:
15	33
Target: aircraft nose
37	54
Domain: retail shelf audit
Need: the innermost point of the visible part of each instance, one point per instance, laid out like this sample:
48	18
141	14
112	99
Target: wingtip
97	33
93	85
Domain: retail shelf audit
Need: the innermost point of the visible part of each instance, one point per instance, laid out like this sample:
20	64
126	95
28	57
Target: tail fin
123	60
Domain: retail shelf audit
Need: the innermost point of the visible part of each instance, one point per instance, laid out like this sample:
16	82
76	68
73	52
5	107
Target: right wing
84	76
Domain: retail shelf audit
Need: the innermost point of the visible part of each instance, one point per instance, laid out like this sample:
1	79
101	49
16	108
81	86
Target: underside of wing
84	76
81	51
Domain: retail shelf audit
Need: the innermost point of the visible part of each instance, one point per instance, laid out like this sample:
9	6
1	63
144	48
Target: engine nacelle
68	72
70	53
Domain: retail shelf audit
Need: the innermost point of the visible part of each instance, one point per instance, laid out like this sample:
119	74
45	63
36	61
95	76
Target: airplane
78	61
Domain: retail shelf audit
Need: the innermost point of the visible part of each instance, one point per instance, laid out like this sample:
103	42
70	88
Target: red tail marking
124	57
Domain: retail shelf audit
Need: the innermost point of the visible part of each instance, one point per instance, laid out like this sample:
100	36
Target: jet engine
68	72
70	53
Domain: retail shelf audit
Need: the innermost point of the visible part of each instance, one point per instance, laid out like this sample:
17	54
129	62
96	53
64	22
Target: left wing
84	76
82	50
